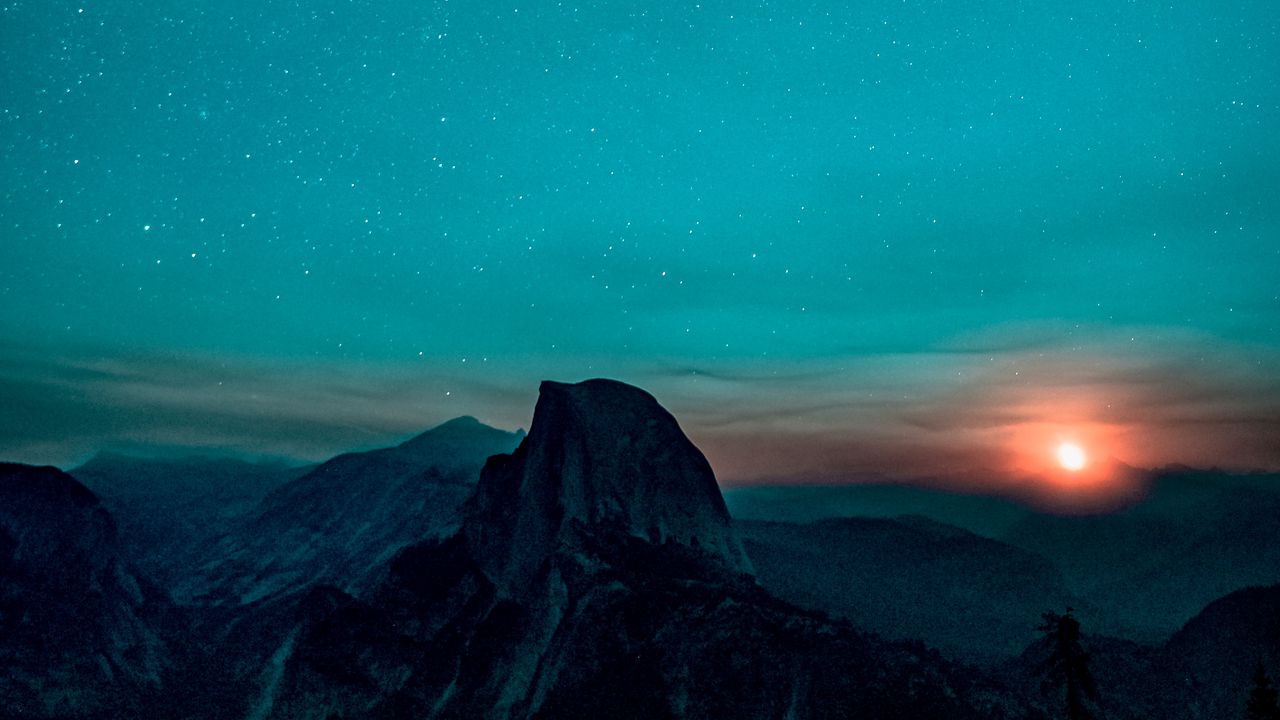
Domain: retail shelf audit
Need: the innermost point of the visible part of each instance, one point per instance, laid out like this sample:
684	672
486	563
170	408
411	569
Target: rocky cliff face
600	455
592	573
80	634
597	575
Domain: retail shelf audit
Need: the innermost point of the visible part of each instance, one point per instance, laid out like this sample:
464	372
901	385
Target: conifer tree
1067	668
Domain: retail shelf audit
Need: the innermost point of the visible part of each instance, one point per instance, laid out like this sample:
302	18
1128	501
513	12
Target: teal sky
834	240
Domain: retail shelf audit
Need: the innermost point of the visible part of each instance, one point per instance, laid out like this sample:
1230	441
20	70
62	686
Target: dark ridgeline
81	636
1222	646
592	572
337	525
168	509
910	578
597	575
1140	572
342	521
1145	571
1206	670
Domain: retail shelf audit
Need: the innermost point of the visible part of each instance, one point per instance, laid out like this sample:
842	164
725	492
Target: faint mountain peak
339	521
460	424
1250	615
112	460
451	434
105	457
601	455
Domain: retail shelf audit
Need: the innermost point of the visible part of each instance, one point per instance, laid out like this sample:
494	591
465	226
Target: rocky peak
461	437
600	454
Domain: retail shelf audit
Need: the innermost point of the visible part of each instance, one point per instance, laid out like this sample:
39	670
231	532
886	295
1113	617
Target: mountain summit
596	574
601	456
340	521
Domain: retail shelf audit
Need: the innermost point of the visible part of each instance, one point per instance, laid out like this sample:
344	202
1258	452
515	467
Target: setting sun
1071	456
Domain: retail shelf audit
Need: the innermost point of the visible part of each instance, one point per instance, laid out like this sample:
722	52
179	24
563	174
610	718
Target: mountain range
974	598
340	521
1139	572
168	508
592	569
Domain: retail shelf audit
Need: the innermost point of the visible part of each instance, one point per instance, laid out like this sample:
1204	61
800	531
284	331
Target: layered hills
597	574
592	569
972	597
341	521
167	509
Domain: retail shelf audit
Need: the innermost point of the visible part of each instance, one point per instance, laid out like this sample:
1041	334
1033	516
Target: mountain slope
80	635
166	509
1221	646
1204	672
986	515
348	516
971	597
597	575
1150	568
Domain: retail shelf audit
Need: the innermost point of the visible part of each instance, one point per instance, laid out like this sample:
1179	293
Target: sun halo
1071	456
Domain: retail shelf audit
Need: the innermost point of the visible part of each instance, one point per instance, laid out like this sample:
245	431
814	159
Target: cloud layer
988	406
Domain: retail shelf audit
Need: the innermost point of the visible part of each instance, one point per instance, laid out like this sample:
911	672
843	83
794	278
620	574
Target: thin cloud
898	414
62	407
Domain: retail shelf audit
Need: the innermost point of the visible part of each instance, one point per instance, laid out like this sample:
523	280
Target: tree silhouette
1067	668
1263	703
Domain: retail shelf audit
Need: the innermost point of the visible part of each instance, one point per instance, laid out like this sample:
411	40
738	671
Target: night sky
902	238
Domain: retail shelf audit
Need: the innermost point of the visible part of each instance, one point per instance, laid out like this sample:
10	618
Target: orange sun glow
1071	456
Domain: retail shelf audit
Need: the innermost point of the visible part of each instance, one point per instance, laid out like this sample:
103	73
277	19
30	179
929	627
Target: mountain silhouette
600	454
1147	570
1204	671
986	515
910	577
81	635
340	522
168	508
592	569
1221	646
597	575
1138	572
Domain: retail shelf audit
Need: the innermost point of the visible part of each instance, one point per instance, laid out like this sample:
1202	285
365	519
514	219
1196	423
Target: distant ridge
168	508
339	521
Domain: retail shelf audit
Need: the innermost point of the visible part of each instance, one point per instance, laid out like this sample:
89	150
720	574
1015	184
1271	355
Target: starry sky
837	240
